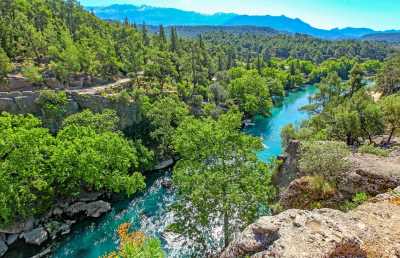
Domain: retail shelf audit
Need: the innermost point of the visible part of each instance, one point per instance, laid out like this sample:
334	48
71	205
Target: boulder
92	209
3	248
27	104
36	236
167	183
75	209
96	209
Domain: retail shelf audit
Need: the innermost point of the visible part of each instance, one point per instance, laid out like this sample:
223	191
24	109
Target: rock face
289	170
371	230
24	102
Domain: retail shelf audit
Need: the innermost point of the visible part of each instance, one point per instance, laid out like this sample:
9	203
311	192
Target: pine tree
162	37
146	39
174	40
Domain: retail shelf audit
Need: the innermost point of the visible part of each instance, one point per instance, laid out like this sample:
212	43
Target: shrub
371	149
32	73
325	159
136	245
358	199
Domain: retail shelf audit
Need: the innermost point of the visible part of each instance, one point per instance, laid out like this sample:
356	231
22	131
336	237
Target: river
149	213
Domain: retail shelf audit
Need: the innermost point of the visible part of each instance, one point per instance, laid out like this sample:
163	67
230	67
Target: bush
136	245
32	73
358	199
325	159
371	149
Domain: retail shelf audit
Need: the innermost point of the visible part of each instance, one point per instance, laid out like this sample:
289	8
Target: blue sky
327	14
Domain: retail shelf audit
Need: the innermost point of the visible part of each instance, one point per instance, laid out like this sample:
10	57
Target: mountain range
176	17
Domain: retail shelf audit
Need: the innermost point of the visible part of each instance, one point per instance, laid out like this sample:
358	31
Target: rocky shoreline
56	223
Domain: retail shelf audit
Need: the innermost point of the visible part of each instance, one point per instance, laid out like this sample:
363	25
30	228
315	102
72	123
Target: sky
326	14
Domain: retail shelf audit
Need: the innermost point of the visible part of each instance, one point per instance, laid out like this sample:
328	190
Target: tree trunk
226	230
391	135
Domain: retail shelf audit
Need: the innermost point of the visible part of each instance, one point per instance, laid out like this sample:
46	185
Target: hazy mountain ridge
383	36
172	16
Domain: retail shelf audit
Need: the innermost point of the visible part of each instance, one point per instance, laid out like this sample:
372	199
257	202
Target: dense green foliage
100	122
37	168
219	180
60	39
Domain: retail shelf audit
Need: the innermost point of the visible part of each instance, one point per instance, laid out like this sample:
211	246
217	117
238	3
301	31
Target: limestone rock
36	236
371	230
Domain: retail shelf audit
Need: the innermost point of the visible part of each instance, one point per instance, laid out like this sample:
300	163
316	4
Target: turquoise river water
149	213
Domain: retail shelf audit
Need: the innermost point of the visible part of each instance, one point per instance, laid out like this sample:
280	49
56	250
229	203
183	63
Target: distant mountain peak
176	17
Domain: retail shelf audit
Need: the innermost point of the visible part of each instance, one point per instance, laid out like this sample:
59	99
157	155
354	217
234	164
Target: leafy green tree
107	121
66	60
53	107
32	73
345	124
251	94
356	79
388	79
390	106
25	177
219	180
165	115
161	68
96	160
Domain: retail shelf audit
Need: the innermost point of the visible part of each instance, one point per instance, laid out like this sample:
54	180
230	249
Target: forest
194	93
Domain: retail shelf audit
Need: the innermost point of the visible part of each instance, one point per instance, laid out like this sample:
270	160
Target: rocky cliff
371	230
24	102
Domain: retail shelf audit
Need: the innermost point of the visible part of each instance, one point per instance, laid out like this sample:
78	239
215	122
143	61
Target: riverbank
148	212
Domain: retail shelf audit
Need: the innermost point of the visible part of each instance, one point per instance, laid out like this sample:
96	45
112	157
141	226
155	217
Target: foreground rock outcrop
368	174
371	230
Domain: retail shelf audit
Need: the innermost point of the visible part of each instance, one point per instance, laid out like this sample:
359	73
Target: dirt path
98	89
